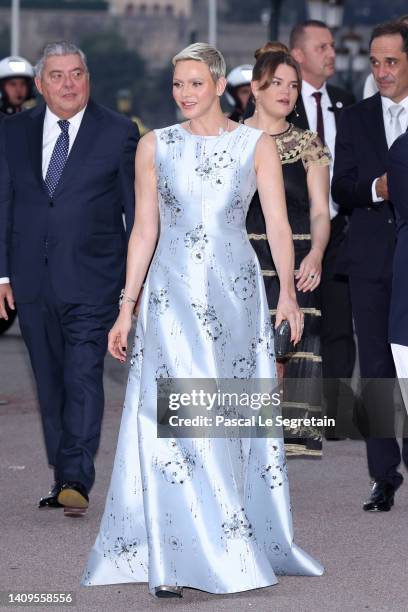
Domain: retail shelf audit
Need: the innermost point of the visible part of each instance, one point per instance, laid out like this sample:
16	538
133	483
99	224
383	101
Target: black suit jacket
398	189
340	98
360	157
78	235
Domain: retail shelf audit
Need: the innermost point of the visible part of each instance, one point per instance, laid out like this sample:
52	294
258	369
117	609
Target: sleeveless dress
212	514
298	149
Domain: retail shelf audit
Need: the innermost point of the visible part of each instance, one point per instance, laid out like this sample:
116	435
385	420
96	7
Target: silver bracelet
125	298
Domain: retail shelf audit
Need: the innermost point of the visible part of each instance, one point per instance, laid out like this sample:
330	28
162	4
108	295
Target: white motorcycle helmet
241	75
15	66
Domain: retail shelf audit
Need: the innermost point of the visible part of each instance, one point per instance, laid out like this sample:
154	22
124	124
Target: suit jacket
360	157
398	188
340	98
77	235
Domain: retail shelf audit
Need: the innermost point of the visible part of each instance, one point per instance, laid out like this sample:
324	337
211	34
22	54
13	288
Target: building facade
177	8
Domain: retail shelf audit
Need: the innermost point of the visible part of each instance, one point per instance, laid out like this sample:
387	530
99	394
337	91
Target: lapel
84	142
373	121
34	125
336	104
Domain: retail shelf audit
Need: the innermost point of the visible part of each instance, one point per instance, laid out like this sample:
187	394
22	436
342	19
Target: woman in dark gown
305	164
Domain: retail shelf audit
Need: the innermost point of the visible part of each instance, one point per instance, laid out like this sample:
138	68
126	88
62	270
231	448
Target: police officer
16	85
16	94
238	90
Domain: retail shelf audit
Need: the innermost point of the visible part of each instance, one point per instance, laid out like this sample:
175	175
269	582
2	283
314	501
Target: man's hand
381	187
6	297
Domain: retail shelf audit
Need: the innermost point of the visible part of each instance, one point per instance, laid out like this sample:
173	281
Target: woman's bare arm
310	270
142	241
272	196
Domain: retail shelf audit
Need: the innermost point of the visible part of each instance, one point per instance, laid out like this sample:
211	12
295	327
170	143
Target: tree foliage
236	10
251	10
113	67
159	107
4	42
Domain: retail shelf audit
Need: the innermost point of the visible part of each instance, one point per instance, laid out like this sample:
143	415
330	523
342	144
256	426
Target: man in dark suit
398	330
319	108
366	131
66	174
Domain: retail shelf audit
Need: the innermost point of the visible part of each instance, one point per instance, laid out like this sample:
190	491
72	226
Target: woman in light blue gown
207	513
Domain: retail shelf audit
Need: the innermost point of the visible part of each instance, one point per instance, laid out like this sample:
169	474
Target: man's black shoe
51	500
381	498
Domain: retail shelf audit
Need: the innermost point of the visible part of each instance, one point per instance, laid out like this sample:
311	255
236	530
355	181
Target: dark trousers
337	335
371	304
67	345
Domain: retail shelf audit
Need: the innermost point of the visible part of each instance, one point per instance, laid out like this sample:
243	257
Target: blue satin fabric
213	514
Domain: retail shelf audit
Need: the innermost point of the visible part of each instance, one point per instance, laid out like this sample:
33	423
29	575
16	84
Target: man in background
397	180
16	94
16	85
238	91
370	85
319	108
366	131
66	174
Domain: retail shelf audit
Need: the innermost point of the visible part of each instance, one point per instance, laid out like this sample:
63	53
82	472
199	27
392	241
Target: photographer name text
255	420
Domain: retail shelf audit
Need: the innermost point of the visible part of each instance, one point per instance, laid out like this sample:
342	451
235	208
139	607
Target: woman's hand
310	272
118	335
288	309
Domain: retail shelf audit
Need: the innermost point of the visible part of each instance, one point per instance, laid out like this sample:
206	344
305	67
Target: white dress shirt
329	122
51	131
403	119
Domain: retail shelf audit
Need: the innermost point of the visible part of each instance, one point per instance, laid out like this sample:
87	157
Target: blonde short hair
202	52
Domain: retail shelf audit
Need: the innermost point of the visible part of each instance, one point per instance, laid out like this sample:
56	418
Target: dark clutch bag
283	344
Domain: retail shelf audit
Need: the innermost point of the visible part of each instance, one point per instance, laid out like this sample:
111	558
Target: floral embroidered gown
298	150
212	514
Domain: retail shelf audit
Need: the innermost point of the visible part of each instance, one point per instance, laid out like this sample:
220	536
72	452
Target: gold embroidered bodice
295	144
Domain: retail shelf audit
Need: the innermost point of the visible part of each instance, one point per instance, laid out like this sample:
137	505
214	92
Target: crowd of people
294	208
356	265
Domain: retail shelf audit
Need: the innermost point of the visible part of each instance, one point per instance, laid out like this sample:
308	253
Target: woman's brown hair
271	46
268	58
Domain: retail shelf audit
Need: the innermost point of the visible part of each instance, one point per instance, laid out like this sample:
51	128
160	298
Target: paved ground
365	556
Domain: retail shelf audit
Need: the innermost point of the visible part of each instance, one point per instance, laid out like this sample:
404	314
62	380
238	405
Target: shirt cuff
376	199
4	280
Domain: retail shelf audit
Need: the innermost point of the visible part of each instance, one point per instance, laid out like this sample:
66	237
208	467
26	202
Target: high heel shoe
168	591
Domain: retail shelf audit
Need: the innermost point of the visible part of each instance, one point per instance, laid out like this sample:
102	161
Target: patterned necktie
320	125
58	157
395	124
